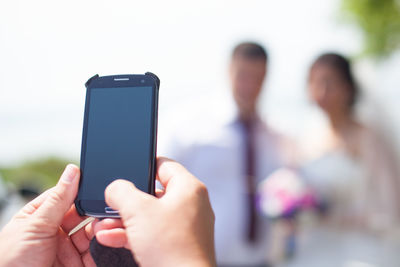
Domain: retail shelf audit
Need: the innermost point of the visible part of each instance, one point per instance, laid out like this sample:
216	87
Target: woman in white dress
354	173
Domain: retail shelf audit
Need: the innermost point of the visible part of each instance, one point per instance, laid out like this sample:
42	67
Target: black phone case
154	159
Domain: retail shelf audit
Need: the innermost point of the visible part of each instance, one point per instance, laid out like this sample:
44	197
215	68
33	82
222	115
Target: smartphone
119	138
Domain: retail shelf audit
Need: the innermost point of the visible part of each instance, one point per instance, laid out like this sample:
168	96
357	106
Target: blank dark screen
118	139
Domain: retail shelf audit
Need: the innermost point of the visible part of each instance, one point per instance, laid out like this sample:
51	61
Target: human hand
176	228
38	234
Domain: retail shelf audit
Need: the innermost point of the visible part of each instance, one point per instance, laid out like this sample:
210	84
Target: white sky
48	49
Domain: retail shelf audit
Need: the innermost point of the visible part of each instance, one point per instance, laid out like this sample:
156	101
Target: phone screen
118	139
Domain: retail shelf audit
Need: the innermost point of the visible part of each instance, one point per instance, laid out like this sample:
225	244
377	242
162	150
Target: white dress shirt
213	151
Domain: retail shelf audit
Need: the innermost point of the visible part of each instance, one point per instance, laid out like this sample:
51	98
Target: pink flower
283	193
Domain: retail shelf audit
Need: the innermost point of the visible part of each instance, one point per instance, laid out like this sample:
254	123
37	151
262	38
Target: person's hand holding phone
174	229
38	234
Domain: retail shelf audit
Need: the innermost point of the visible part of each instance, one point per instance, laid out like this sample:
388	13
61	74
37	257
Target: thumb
123	196
61	197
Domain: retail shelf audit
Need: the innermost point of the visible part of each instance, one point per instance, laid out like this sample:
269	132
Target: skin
247	77
37	234
330	92
176	228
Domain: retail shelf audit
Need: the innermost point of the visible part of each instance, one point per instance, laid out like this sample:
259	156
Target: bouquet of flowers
283	194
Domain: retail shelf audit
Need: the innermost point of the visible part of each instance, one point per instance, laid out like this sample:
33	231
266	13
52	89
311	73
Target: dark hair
250	50
343	67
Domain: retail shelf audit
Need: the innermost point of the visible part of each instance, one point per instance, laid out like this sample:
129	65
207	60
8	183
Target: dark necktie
249	168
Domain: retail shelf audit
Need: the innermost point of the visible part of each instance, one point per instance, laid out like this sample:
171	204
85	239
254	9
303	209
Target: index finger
34	204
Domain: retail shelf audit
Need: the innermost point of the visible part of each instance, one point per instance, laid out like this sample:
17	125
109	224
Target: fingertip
117	185
168	169
71	172
163	162
73	166
117	191
61	197
101	237
123	196
115	238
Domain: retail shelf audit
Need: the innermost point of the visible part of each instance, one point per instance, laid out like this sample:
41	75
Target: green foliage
38	174
379	21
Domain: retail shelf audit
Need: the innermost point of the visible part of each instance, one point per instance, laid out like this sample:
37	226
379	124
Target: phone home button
110	210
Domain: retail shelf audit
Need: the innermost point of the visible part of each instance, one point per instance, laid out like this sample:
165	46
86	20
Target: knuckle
195	188
200	189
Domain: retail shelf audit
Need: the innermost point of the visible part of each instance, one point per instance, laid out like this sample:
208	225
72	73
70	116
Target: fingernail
70	173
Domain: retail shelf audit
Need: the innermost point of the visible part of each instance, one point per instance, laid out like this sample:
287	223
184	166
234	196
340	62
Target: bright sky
48	50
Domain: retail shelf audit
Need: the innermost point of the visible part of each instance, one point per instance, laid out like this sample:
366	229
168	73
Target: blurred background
48	50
